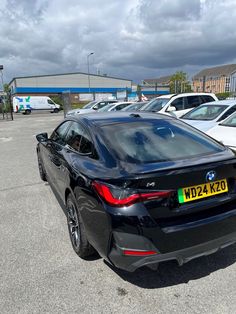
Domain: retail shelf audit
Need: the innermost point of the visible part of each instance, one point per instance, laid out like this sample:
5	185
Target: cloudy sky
135	39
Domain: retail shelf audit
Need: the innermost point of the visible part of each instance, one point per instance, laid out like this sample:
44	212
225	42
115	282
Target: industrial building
219	79
81	86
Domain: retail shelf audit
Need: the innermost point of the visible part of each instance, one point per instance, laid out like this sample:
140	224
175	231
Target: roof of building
226	70
160	80
60	74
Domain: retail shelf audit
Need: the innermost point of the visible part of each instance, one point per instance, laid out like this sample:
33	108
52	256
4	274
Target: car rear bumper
131	263
182	243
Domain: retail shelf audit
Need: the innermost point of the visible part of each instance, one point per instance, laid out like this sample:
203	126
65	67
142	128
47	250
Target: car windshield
136	106
156	104
205	112
231	121
157	141
90	104
106	108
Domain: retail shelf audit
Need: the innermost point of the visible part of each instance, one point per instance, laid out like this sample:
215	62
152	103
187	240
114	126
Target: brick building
219	79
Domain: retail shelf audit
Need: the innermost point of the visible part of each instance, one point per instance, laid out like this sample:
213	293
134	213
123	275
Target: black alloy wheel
76	229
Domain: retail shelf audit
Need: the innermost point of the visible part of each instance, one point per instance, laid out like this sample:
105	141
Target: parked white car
225	132
209	115
115	107
178	105
91	106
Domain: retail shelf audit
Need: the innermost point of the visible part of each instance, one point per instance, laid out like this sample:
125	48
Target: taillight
116	196
138	253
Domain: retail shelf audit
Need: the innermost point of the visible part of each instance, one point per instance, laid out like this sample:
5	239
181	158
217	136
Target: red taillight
138	253
126	200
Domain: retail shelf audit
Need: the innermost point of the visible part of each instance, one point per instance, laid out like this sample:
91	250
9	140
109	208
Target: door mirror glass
42	137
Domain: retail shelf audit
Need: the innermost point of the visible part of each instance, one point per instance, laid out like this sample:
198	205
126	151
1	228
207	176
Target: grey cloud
133	39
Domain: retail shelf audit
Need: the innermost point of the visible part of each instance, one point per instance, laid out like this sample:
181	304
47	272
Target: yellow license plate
196	192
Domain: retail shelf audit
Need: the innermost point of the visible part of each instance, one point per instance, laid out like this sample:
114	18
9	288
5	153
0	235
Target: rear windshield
157	141
205	112
156	104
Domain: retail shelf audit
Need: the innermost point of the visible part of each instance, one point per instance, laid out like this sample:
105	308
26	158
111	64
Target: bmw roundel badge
210	176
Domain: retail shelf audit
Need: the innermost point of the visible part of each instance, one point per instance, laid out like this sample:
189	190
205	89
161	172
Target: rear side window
79	139
157	141
58	135
193	101
206	98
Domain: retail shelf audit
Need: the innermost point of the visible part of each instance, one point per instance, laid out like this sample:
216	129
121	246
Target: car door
78	146
178	103
52	151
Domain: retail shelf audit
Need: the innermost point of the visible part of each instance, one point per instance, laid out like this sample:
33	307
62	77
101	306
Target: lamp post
3	105
90	54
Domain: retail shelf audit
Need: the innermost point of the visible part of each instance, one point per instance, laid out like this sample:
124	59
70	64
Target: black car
141	188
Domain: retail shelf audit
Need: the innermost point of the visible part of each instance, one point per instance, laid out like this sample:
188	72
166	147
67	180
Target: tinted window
58	135
50	102
207	98
228	113
156	141
178	103
205	112
193	101
78	139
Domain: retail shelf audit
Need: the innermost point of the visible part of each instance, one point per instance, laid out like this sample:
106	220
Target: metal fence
6	112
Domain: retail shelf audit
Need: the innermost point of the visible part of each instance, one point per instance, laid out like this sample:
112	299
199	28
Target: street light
90	54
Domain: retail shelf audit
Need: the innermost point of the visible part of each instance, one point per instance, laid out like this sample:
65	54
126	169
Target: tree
179	83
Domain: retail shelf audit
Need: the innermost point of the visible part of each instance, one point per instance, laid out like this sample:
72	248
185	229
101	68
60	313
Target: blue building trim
158	92
56	90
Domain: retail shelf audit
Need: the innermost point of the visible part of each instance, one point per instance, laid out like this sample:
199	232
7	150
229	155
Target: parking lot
40	273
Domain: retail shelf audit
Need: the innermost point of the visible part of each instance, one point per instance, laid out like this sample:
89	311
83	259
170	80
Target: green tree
179	83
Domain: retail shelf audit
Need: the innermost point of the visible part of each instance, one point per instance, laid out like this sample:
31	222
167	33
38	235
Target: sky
134	39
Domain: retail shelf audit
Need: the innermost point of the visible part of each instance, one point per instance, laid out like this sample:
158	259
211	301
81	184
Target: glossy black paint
175	231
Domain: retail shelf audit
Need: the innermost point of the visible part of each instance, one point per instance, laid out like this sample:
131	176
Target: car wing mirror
42	137
171	109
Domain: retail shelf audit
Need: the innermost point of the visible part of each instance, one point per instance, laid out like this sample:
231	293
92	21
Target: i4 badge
210	176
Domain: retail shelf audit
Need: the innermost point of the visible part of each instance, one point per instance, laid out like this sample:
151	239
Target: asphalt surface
40	273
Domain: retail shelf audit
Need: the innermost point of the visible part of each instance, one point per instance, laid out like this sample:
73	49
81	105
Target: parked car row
201	110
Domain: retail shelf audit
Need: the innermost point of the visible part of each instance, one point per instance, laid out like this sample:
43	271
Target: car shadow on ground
171	274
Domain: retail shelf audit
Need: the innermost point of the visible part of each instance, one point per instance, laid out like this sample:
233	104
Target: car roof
104	118
184	95
220	102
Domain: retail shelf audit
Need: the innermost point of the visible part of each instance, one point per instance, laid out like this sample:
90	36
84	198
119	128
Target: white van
26	104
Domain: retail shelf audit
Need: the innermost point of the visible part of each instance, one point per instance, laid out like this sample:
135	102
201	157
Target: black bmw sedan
141	188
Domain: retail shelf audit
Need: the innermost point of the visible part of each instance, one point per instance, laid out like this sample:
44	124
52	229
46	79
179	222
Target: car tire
42	172
76	229
27	111
56	110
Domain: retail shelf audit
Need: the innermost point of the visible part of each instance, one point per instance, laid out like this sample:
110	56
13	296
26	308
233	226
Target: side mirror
42	137
95	107
171	109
